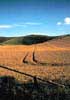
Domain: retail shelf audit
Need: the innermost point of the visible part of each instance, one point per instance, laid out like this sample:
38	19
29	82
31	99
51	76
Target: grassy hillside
49	61
3	39
61	41
28	40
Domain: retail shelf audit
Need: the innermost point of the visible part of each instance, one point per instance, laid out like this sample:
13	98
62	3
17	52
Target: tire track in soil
30	58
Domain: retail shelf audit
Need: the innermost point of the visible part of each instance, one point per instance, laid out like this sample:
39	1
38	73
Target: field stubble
12	57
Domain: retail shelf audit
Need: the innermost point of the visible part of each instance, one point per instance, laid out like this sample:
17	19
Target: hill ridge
29	39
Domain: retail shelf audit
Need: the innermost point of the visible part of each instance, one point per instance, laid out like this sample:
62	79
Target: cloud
59	23
26	24
19	25
32	23
36	33
5	26
67	20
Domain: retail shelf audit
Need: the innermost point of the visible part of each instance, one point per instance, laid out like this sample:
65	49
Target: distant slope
28	40
54	52
36	39
3	39
61	41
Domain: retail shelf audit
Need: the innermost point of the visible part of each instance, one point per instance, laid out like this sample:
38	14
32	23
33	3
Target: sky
25	17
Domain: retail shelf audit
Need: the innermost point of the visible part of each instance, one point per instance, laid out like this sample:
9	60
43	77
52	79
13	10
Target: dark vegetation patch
12	89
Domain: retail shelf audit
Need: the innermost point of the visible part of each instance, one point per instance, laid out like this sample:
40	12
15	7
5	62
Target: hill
47	58
50	59
33	39
61	41
3	39
28	40
55	51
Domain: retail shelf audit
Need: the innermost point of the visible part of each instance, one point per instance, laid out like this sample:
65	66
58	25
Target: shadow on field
12	89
